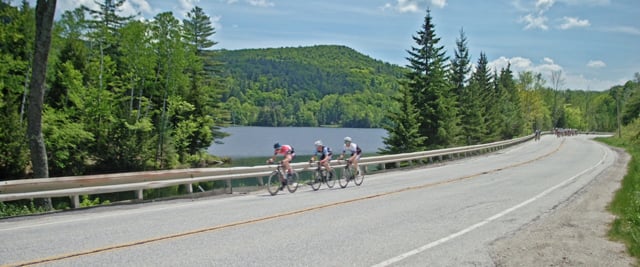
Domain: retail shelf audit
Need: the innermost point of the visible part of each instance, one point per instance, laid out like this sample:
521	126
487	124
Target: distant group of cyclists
560	132
323	153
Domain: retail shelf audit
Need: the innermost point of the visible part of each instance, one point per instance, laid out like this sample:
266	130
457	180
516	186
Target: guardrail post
75	201
229	186
260	181
190	188
140	194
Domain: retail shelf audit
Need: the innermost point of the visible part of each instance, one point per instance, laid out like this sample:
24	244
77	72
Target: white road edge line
486	221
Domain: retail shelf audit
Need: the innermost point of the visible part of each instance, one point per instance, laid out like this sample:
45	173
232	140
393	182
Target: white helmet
347	139
318	143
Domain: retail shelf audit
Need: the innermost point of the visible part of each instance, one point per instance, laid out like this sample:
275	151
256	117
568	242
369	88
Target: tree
557	81
15	66
206	87
171	80
45	9
460	65
631	109
404	129
430	88
536	114
488	113
513	123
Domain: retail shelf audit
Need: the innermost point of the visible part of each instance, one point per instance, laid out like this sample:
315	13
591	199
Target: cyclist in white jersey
355	152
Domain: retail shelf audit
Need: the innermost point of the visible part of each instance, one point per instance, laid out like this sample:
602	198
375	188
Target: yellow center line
271	217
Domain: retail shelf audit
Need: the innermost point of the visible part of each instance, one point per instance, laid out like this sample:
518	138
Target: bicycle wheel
316	180
344	178
331	178
359	177
273	183
292	182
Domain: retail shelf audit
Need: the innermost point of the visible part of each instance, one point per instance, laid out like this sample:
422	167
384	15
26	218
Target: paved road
444	215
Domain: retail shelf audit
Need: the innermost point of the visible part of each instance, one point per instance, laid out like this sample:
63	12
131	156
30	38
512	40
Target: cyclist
325	155
355	153
288	153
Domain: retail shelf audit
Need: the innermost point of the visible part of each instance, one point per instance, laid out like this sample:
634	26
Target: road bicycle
349	173
275	181
321	175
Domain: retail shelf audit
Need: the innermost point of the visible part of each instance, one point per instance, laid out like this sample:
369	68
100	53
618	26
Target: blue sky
595	43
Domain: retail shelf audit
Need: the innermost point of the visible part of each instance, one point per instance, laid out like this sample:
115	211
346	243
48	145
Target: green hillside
307	86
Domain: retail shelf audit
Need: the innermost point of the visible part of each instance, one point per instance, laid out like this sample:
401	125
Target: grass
626	202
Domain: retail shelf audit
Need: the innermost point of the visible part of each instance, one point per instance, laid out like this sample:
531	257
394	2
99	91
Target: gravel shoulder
573	233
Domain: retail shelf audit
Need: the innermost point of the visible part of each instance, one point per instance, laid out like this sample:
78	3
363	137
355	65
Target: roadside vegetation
626	203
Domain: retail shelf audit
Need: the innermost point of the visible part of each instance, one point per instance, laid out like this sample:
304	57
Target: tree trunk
45	10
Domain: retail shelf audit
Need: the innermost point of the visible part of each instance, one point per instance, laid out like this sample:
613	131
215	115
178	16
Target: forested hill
321	70
296	86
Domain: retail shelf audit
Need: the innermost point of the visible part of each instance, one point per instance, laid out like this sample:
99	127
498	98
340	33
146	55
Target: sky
594	43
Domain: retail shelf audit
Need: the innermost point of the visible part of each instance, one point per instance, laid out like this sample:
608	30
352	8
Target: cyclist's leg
285	163
356	158
327	167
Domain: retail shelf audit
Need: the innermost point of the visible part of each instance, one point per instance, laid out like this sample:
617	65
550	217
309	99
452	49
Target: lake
249	141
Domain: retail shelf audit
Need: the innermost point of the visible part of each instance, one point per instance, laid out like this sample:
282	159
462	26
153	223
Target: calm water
258	141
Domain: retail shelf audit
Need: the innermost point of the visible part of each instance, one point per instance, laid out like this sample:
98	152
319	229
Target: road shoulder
573	233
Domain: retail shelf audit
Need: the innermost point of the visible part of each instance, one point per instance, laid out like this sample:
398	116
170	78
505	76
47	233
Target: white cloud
215	22
533	22
547	66
403	6
261	3
129	8
520	64
596	64
570	22
439	3
548	60
142	6
544	5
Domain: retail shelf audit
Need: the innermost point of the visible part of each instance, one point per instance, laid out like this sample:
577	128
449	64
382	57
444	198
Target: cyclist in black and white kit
355	152
325	155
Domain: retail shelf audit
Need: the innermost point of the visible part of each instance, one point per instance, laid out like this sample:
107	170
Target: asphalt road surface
444	214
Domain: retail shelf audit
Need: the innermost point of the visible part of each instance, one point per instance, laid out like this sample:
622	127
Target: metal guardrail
76	186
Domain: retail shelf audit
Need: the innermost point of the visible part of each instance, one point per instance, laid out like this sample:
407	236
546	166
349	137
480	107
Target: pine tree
430	88
206	88
460	65
403	132
471	111
482	84
513	121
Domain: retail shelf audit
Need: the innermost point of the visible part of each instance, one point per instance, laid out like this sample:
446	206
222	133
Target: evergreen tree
460	65
481	85
472	115
171	85
206	88
106	23
430	88
513	124
472	127
403	131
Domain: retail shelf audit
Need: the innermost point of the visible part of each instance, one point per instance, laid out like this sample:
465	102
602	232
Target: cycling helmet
347	139
276	145
318	143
